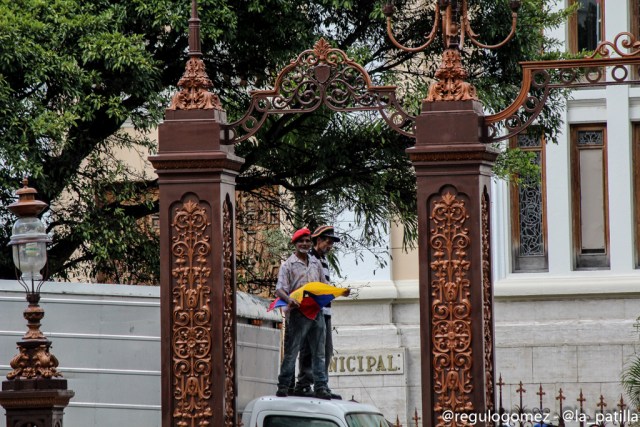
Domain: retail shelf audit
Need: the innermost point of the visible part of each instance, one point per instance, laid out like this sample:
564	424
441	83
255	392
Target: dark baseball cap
325	231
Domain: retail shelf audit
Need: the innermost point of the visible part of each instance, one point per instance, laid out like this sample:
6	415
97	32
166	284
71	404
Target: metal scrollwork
229	336
321	76
191	322
450	306
487	302
621	41
540	77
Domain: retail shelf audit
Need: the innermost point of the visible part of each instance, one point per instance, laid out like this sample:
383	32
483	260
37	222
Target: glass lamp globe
29	240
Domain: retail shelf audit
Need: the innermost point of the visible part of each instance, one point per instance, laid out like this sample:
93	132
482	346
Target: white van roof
334	407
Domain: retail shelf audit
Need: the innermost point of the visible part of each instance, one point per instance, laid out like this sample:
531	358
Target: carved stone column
197	253
453	176
197	270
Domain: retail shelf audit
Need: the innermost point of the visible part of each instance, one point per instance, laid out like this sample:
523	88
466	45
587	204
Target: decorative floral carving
33	361
191	326
321	49
450	307
229	338
194	84
487	302
451	85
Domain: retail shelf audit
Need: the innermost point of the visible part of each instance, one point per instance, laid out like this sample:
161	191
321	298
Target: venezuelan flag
312	297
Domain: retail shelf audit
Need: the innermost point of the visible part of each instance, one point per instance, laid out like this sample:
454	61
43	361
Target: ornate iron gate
197	167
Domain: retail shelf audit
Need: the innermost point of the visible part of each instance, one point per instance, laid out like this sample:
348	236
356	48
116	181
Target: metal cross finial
416	418
621	404
560	397
195	84
540	393
602	404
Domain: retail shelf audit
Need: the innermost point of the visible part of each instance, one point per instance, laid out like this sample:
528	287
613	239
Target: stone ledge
588	284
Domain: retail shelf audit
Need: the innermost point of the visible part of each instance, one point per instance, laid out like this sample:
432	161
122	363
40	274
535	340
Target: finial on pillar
194	31
195	83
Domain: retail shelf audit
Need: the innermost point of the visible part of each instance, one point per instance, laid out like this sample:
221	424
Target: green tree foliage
73	72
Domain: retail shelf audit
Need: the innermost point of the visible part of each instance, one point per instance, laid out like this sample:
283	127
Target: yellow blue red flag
312	297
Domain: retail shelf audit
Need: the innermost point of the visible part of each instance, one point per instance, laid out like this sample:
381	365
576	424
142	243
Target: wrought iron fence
540	407
564	410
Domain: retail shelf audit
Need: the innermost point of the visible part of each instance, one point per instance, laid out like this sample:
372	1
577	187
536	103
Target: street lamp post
34	394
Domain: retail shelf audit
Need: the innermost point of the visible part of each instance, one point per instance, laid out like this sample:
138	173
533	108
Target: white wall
107	339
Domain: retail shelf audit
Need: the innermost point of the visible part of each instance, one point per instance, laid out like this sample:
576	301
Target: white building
565	258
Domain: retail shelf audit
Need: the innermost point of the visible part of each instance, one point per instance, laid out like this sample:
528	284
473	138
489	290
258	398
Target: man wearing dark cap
298	270
323	239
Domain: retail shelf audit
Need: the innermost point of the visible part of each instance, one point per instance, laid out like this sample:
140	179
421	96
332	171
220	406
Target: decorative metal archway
322	76
452	161
539	78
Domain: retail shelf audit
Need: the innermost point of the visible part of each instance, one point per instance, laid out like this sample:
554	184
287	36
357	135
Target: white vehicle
271	411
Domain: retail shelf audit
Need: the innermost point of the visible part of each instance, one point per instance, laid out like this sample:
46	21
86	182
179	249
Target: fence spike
621	404
601	404
581	399
560	397
540	393
500	385
622	407
416	418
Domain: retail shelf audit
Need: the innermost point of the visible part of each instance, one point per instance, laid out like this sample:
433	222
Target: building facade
565	259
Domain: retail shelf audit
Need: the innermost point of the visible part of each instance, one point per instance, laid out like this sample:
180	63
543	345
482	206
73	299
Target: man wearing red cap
298	270
323	239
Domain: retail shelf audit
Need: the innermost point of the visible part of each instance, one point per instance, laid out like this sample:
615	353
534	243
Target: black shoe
323	393
282	392
303	392
335	396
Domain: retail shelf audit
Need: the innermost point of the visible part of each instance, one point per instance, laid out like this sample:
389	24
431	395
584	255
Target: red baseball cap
300	233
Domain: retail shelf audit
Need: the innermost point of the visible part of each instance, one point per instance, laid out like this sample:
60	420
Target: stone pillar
196	176
36	403
453	170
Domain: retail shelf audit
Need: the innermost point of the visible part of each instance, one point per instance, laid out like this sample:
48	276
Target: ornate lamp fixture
33	394
29	241
452	19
